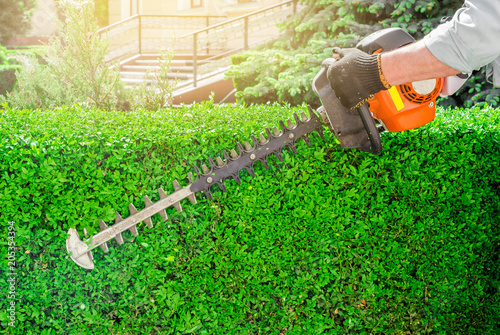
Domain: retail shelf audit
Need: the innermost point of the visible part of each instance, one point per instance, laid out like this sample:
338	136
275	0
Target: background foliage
8	67
329	241
283	70
71	69
15	18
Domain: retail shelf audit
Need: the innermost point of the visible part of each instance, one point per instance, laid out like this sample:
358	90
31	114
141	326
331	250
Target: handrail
245	18
217	41
127	37
239	18
136	16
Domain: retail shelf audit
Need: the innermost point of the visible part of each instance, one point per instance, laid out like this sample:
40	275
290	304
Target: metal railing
140	34
217	42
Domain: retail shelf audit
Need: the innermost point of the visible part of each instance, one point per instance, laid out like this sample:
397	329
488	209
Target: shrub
15	18
8	68
157	93
73	71
328	241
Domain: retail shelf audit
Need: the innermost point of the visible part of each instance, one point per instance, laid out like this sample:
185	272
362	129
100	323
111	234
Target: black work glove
355	77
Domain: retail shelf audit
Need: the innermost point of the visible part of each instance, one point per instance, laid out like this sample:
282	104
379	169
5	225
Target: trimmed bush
8	67
328	241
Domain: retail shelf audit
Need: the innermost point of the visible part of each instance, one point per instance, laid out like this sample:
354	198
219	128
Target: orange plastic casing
402	108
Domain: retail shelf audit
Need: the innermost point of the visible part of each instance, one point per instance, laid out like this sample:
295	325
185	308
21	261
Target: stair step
125	76
144	68
146	62
155	57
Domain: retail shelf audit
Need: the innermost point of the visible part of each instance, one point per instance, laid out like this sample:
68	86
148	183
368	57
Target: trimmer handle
353	128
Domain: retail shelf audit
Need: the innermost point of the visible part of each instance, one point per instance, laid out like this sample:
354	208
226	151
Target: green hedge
8	67
327	241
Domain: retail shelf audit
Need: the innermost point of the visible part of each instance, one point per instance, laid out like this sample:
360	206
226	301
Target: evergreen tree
283	70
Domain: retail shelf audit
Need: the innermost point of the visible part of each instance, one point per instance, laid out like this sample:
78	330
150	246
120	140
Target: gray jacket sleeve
471	39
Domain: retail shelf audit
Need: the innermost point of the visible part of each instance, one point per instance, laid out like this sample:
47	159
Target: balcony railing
141	34
217	42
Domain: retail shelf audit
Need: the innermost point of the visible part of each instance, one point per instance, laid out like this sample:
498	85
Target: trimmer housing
400	108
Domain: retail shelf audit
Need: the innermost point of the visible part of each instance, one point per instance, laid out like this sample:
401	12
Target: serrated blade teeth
296	118
248	147
176	184
219	161
133	230
262	139
118	237
148	220
282	125
147	201
103	226
205	169
196	170
276	132
211	162
294	149
265	163
104	247
280	157
225	155
240	147
163	212
237	179
190	177
320	133
208	194
133	210
303	116
254	140
307	140
251	171
192	198
234	155
289	124
268	133
222	186
177	206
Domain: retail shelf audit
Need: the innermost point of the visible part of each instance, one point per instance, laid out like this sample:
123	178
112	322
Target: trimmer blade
74	246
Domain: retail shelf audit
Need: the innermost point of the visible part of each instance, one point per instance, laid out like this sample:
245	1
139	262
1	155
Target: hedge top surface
328	241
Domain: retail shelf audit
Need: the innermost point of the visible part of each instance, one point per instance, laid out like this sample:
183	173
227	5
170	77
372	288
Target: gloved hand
356	76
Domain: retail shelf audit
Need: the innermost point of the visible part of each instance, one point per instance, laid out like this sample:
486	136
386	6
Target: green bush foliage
283	70
8	66
72	70
328	241
15	18
75	71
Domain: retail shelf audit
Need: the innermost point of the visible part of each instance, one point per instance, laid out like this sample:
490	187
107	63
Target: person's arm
412	63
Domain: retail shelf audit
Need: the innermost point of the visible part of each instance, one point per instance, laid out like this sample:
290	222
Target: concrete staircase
202	56
134	71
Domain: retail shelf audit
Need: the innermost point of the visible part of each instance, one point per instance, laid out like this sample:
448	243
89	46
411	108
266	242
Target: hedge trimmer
403	107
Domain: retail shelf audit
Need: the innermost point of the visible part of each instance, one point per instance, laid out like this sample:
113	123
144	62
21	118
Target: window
196	3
